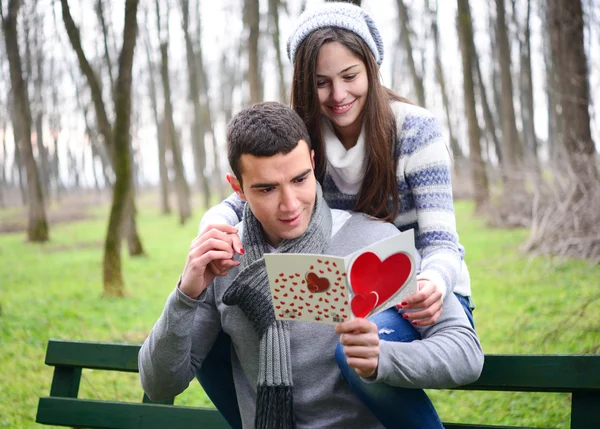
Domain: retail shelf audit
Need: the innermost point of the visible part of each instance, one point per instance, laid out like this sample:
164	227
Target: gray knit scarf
250	291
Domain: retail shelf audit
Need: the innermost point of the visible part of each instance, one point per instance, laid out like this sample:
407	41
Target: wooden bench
579	375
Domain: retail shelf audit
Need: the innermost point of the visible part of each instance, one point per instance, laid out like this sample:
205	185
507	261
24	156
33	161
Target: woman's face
342	85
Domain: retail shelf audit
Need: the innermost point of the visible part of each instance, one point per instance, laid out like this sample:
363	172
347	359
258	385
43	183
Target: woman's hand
208	247
228	234
360	339
427	303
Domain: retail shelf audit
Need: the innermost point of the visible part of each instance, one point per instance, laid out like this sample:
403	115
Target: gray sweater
448	355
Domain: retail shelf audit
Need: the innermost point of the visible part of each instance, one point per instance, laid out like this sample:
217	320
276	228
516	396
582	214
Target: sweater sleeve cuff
384	367
183	298
436	279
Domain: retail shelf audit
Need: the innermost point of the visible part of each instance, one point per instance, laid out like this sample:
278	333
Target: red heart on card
370	274
316	283
363	304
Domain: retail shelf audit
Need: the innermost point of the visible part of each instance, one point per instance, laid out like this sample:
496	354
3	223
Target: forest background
112	119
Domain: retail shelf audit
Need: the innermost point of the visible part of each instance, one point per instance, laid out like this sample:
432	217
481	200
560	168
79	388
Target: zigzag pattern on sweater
432	176
433	240
417	132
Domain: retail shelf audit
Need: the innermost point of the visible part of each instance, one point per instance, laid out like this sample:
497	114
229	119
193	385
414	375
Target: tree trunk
43	160
487	112
274	23
356	2
228	82
3	163
197	129
37	230
495	82
117	141
113	278
183	192
205	105
17	160
513	151
107	57
252	21
566	36
55	127
439	74
104	126
526	94
465	35
555	124
162	162
405	30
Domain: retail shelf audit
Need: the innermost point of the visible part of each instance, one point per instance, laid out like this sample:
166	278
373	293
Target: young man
285	373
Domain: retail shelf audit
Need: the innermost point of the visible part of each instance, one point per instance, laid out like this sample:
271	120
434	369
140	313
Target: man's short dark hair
263	129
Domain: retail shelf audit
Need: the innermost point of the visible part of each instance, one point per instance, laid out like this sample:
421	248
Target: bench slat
107	356
474	426
500	372
584	410
538	373
119	415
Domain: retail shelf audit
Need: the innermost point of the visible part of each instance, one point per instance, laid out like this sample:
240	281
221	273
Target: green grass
55	291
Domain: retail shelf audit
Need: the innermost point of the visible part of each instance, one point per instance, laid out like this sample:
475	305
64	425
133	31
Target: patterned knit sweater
425	191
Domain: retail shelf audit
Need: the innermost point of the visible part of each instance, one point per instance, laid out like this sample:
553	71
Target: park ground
525	305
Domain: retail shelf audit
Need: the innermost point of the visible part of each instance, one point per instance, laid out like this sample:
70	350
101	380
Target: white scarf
346	167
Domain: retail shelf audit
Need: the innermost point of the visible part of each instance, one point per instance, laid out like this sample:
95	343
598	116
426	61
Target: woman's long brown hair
378	194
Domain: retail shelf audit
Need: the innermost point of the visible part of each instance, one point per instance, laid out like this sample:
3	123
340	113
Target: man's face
281	191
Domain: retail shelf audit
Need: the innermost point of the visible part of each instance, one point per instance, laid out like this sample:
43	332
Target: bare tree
117	140
39	82
565	19
252	23
55	125
555	119
17	159
130	232
490	124
3	154
37	229
228	69
205	105
274	6
99	8
439	75
513	151
181	185
405	35
356	2
162	162
197	129
526	84
465	34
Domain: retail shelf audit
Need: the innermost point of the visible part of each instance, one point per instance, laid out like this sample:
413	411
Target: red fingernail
399	306
241	250
404	303
414	322
405	316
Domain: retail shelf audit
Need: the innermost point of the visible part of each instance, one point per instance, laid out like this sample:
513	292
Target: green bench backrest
579	375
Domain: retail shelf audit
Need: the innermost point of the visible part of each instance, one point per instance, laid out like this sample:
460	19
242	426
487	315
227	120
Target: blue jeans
395	407
216	377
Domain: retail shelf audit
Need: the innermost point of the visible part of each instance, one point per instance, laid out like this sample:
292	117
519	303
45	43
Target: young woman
376	153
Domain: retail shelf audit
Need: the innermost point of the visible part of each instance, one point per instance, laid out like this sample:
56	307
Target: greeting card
330	289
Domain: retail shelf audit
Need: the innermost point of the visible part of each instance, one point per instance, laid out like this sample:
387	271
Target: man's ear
236	186
312	158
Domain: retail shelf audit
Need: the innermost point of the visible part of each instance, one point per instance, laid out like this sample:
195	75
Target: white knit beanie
341	15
